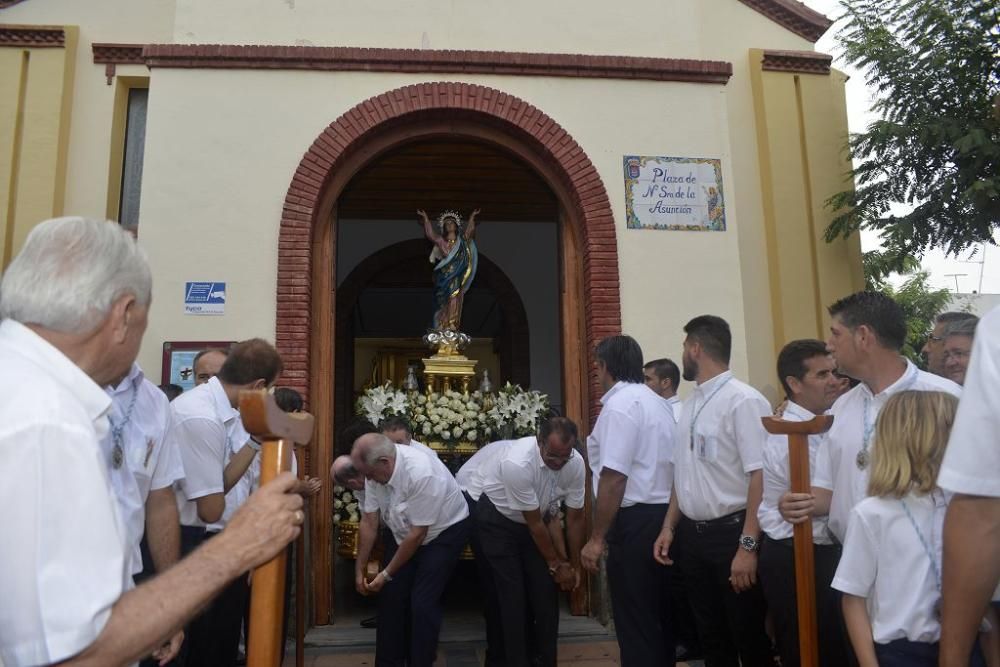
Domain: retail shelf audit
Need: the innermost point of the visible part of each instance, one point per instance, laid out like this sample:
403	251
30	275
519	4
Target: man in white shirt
207	364
517	518
663	377
717	490
807	374
143	465
208	430
630	452
429	520
74	304
867	332
971	470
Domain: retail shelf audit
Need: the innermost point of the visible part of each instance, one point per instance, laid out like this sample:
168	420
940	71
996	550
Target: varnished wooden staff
805	567
277	431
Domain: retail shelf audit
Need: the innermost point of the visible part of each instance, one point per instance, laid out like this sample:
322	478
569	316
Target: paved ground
571	654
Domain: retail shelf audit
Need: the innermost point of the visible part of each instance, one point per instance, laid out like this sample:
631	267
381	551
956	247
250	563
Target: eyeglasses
957	355
936	339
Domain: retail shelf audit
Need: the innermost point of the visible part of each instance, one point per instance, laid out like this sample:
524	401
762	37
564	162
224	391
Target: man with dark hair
171	390
664	378
933	349
717	491
288	399
806	371
867	331
206	364
630	452
217	452
517	518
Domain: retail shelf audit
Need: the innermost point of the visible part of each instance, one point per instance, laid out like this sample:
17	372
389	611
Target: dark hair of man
561	426
288	399
876	311
208	350
249	361
394	423
356	428
171	390
712	333
792	360
665	369
622	357
954	316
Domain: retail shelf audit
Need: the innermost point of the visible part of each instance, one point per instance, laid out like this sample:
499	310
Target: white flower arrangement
450	417
345	506
380	402
516	413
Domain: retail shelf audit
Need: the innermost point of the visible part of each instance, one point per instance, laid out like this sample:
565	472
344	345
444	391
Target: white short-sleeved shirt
470	476
202	424
64	562
238	494
836	461
885	562
151	461
519	481
417	494
777	480
634	435
712	469
972	460
676	405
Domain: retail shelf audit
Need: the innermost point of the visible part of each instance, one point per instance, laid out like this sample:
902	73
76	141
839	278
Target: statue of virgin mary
455	259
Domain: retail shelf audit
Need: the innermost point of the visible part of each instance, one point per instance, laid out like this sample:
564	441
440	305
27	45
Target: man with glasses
958	338
933	349
518	524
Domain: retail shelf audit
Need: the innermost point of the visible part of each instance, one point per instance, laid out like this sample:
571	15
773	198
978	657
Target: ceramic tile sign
204	298
674	193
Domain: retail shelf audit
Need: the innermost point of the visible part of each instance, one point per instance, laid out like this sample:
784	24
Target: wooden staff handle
278	431
805	568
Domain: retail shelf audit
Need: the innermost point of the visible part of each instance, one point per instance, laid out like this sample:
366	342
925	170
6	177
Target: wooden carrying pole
278	431
805	568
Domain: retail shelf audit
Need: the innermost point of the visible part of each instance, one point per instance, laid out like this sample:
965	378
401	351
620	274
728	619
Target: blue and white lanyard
928	549
694	419
117	431
870	425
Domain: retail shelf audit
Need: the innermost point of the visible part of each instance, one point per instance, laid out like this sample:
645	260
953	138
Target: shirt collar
133	379
717	381
222	405
905	381
56	364
794	408
673	399
611	392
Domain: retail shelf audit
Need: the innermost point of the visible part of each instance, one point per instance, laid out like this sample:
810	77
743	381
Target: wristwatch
749	543
254	444
385	573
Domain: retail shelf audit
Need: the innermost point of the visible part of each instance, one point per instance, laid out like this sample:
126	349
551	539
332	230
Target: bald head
375	456
343	473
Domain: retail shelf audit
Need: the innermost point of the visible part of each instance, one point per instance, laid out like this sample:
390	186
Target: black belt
728	521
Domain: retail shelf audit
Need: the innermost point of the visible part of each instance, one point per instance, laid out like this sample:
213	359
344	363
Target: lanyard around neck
694	419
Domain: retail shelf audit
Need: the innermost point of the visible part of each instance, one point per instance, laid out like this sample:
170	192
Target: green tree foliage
919	302
935	152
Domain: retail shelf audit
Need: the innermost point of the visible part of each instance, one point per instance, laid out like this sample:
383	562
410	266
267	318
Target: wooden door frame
590	300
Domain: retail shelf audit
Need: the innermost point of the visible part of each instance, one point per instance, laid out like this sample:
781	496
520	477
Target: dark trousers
681	614
639	586
730	625
776	571
213	637
495	652
524	587
409	606
904	653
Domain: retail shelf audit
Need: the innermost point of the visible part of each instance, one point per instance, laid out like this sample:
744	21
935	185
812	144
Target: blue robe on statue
453	276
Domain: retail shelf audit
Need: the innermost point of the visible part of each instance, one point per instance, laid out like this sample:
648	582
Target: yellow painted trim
810	217
767	197
15	161
119	120
72	34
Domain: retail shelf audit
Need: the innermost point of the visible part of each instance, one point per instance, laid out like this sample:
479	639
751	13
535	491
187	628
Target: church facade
635	165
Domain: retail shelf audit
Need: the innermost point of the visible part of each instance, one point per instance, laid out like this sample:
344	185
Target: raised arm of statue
470	227
431	234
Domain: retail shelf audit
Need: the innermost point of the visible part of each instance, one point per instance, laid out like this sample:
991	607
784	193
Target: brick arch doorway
590	307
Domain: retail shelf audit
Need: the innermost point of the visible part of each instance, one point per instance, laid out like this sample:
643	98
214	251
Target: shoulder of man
930	382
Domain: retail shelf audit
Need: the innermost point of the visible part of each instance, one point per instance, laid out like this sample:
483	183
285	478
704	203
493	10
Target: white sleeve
823	472
577	487
370	501
169	467
750	433
858	564
972	460
619	441
775	484
202	444
63	566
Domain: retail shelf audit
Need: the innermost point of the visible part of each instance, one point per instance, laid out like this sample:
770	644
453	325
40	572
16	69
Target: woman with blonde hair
890	572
